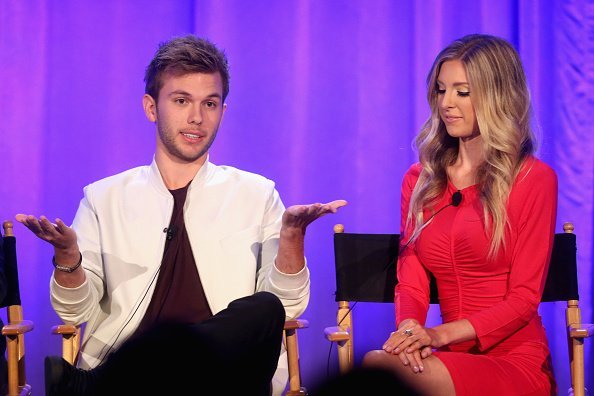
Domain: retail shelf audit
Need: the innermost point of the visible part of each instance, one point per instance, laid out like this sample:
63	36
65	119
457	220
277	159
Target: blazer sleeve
532	210
411	295
77	305
292	289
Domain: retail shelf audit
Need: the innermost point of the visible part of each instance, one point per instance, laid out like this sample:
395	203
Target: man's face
188	114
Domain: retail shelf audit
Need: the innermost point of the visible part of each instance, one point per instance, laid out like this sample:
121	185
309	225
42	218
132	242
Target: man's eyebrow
214	95
179	92
185	93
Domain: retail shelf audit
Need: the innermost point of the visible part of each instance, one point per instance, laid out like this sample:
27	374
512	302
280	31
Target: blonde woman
478	213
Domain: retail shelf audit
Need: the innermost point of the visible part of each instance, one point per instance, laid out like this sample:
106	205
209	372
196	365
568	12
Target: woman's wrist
440	336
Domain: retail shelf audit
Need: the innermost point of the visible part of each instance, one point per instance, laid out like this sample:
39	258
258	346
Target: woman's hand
417	337
412	343
395	344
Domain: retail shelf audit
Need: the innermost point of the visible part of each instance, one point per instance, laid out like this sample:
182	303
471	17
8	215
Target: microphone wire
456	200
331	343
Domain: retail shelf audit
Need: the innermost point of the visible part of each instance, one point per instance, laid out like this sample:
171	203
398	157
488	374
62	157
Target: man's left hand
300	216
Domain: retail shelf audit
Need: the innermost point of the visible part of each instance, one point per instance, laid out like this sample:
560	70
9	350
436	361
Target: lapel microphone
456	200
171	231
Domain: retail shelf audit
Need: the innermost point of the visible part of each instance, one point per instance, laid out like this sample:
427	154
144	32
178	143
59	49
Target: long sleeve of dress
532	211
412	291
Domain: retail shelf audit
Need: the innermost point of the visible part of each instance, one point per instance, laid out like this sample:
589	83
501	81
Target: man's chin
194	158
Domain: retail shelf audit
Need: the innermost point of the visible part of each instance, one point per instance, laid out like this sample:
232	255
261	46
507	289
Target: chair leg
577	367
345	356
576	348
290	339
344	319
70	341
12	349
70	345
295	388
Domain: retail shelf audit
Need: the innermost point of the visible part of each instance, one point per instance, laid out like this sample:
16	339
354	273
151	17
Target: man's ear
150	107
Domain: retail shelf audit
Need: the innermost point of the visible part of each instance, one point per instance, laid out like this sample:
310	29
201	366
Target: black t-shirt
178	296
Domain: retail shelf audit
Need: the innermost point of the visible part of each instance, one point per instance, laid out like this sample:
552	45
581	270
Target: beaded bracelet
66	269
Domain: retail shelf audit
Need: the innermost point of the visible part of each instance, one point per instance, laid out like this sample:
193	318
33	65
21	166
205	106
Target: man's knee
269	309
270	302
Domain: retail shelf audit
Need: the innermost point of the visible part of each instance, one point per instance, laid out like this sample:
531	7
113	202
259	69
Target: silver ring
408	332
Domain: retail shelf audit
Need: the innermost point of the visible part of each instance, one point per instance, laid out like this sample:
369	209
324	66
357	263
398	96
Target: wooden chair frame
71	338
14	331
342	333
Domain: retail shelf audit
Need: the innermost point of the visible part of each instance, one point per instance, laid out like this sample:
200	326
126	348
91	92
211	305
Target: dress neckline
451	186
469	193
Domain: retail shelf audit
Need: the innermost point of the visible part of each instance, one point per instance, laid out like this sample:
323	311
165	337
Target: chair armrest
70	341
64	329
295	324
337	334
583	331
17	328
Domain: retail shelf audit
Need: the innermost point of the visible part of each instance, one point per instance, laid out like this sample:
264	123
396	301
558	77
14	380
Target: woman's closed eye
459	93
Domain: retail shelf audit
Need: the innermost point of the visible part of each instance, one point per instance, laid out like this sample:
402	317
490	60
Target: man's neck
177	174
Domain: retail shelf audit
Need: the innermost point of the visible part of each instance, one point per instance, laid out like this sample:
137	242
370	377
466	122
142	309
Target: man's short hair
182	55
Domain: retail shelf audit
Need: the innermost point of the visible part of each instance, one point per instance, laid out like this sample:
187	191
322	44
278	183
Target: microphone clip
457	198
170	231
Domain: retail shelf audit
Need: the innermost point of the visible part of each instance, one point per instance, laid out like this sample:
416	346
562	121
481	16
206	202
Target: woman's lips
451	119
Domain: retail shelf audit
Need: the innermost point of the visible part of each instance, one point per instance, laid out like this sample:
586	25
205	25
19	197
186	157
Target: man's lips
193	134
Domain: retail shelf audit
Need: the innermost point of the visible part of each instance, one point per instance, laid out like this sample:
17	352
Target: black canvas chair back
562	279
562	285
15	329
366	267
366	272
12	296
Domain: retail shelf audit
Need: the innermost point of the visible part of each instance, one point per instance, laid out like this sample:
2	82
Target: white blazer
233	220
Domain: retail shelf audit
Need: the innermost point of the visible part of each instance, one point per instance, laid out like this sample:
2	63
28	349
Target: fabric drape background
325	99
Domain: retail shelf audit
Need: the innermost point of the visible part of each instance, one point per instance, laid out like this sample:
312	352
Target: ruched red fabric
500	297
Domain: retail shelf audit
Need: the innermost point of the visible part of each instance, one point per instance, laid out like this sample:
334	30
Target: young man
177	241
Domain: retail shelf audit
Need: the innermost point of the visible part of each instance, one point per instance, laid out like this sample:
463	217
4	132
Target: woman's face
453	100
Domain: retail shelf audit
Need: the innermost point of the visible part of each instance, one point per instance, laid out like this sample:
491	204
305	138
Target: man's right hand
62	237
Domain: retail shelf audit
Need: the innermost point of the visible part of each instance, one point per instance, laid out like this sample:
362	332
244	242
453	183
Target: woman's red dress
500	297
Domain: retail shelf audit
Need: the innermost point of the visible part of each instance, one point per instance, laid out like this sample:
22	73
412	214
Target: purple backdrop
325	100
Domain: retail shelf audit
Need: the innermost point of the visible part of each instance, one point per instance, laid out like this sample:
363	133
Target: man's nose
195	116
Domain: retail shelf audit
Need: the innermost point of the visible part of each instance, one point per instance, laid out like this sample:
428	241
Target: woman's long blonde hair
501	101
